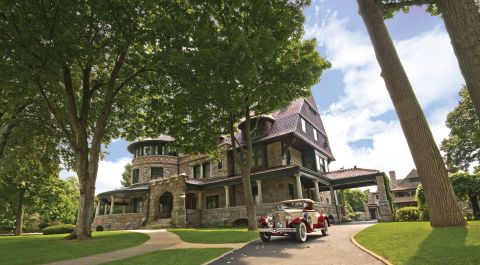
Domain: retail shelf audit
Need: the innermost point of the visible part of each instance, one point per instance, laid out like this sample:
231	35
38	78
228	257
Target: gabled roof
287	121
406	183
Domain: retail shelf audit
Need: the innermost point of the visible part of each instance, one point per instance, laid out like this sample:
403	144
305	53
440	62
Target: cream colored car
293	217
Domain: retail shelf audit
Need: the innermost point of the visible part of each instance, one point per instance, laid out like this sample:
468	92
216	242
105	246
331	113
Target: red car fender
262	221
321	218
298	220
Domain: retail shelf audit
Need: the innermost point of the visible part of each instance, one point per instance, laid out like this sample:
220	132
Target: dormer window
304	125
257	129
315	136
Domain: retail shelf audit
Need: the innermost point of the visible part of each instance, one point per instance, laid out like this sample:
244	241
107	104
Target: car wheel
301	232
325	228
265	237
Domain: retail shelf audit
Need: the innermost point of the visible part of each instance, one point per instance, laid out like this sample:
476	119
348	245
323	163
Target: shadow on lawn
446	246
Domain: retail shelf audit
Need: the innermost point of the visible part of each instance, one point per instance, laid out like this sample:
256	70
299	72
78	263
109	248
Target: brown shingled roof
349	173
406	184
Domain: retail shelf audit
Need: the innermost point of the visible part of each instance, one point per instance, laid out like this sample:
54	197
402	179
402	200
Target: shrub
407	214
58	229
43	225
423	214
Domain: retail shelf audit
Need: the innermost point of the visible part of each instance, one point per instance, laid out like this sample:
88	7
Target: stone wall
187	163
176	186
295	156
384	210
119	221
274	154
144	163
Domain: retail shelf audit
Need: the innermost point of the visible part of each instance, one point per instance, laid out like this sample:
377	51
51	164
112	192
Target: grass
38	249
412	243
215	236
191	256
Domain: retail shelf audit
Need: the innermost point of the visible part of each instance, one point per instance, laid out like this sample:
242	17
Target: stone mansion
291	159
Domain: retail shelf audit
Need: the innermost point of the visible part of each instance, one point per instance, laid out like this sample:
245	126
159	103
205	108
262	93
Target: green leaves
462	147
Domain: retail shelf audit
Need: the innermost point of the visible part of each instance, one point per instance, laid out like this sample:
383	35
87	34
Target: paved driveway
334	249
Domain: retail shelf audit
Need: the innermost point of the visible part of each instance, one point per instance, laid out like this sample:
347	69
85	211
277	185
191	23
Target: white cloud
432	69
109	174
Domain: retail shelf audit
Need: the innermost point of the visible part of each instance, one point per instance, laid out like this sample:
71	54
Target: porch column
97	211
317	191
259	187
104	209
383	204
112	203
227	197
199	200
299	187
333	197
201	171
123	208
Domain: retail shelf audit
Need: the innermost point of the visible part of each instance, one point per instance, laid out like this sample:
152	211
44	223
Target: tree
467	188
254	61
126	175
462	147
356	199
90	61
462	21
27	170
426	155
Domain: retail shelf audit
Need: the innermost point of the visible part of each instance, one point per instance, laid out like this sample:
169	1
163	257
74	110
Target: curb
371	253
228	252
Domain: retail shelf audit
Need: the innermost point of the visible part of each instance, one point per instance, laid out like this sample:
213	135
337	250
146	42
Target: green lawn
37	249
413	243
215	236
191	256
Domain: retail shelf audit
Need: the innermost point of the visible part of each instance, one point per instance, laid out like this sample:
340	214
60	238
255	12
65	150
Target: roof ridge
346	169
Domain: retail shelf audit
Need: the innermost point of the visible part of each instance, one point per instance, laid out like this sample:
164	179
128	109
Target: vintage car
293	218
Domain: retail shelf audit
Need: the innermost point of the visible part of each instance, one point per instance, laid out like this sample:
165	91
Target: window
291	192
147	150
315	134
288	157
320	161
326	141
257	131
137	205
135	176
196	171
191	201
254	193
258	157
328	200
304	125
212	202
220	164
206	170
156	172
231	196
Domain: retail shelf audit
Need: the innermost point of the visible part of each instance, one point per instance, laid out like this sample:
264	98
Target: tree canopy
462	147
356	199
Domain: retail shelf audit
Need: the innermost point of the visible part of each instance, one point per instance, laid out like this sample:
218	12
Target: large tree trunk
442	205
475	206
462	21
5	131
245	168
19	215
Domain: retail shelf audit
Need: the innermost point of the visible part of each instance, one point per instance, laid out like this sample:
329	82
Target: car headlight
270	223
288	217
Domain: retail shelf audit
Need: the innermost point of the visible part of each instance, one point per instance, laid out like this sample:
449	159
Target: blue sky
358	114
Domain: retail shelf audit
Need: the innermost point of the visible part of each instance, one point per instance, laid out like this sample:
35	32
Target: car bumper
276	230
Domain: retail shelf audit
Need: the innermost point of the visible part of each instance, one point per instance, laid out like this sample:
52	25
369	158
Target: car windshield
297	205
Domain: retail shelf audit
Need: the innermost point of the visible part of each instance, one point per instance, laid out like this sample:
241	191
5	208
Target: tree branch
128	79
402	4
70	101
55	115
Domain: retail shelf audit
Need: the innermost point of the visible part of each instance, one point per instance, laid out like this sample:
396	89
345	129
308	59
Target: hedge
58	229
407	214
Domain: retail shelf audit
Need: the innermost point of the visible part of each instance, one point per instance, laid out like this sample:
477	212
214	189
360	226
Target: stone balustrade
119	221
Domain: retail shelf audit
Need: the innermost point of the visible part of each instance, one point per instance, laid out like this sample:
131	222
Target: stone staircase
160	223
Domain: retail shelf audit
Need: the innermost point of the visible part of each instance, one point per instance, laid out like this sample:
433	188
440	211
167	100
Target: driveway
333	249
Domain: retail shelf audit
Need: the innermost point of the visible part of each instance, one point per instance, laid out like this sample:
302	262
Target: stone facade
119	221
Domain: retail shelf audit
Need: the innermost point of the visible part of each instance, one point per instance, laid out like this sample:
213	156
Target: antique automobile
293	218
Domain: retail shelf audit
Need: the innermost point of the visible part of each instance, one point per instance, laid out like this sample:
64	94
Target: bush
43	225
423	214
58	229
407	214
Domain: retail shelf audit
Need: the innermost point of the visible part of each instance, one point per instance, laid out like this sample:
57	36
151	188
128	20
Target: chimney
393	179
355	166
